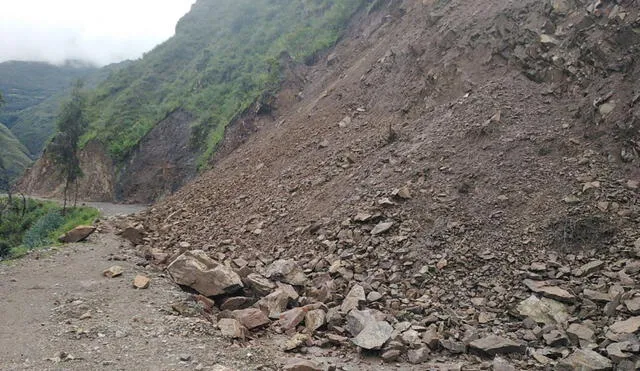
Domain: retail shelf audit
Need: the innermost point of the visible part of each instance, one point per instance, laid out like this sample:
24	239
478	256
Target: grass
36	224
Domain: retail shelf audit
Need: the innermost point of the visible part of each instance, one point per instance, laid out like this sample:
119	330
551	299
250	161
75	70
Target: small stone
231	328
114	271
402	192
492	345
141	282
417	356
354	299
133	235
357	320
236	302
291	318
373	296
543	310
286	271
501	364
296	341
362	217
596	296
381	228
588	268
251	317
274	304
538	267
314	319
619	351
552	292
411	338
577	332
628	326
391	355
454	347
297	364
571	200
261	285
374	335
585	359
431	338
555	338
633	305
185	357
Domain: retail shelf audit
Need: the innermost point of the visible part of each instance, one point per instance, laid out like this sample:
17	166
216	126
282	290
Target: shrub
39	233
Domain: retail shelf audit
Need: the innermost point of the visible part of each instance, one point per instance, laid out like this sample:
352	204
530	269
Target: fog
100	32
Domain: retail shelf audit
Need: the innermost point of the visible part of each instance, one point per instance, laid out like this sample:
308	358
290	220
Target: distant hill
14	154
26	84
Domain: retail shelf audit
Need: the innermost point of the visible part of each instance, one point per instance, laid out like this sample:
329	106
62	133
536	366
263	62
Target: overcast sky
101	31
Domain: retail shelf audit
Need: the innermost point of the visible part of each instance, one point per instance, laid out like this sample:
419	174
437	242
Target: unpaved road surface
59	312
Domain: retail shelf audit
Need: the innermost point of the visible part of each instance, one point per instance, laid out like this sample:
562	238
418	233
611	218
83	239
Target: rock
552	292
297	364
588	268
628	326
633	305
543	310
501	364
391	355
431	338
251	317
296	341
555	338
133	235
357	320
606	108
419	355
402	192
454	347
231	328
291	318
77	234
578	332
114	271
585	359
314	319
259	284
203	274
274	304
381	228
618	351
236	302
362	217
373	296
411	338
492	345
185	357
571	200
596	296
286	271
354	299
141	282
374	335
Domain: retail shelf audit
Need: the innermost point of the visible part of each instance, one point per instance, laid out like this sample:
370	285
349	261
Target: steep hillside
466	173
226	59
13	154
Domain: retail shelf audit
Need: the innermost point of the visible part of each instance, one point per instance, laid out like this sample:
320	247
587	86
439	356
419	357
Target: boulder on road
77	234
203	274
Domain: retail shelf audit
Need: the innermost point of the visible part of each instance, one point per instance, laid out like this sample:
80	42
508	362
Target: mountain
161	118
14	155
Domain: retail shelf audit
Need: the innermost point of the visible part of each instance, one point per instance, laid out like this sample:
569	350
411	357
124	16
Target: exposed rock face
161	163
196	270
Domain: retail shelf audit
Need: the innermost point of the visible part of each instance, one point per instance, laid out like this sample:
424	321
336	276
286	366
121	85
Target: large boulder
203	274
77	234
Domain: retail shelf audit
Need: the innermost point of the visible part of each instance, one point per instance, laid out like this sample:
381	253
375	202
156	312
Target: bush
5	248
39	234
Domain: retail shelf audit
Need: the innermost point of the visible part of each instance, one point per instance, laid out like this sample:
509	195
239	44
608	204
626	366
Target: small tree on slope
71	124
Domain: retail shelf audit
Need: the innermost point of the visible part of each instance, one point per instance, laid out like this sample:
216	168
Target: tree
1	100
71	124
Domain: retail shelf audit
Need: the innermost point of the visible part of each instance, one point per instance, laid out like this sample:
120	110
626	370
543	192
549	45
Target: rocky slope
456	186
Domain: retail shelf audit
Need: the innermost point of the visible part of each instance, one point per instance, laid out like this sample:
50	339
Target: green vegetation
71	124
14	156
26	224
224	57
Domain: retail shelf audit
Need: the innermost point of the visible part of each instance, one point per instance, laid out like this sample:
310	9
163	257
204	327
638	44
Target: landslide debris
477	208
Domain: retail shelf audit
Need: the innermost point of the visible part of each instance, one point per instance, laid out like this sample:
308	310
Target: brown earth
513	126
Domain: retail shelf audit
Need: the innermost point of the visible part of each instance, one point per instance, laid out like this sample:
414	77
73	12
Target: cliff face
97	183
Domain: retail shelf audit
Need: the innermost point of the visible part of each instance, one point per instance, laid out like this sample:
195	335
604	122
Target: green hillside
34	125
225	55
12	152
26	84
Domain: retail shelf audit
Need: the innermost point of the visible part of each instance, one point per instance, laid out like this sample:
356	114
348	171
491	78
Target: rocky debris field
454	188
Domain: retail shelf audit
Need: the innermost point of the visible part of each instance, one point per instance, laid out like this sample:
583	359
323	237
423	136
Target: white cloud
99	31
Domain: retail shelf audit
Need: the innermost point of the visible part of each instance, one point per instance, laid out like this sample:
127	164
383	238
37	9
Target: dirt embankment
445	152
